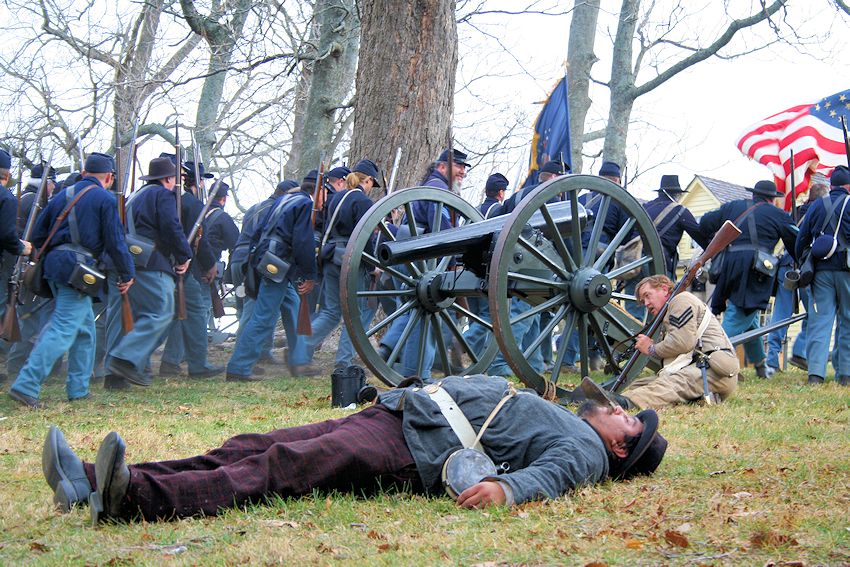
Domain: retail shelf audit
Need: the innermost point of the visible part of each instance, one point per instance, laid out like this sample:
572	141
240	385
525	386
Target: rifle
394	171
846	139
120	191
179	290
11	331
197	231
727	233
795	293
19	193
319	192
80	152
197	163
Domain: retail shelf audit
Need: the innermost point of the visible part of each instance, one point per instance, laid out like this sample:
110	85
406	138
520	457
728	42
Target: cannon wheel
580	296
359	257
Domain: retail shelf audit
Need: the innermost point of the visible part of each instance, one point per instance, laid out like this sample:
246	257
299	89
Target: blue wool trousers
737	321
187	339
252	340
152	301
70	329
829	302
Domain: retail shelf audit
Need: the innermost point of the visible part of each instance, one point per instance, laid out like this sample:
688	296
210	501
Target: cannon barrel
463	238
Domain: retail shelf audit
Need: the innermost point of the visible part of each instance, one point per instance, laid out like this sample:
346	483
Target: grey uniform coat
548	449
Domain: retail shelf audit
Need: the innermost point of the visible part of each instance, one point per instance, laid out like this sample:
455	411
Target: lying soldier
689	330
402	441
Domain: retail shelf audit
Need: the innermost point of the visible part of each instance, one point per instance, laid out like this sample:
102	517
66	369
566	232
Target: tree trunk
331	77
621	85
405	84
581	59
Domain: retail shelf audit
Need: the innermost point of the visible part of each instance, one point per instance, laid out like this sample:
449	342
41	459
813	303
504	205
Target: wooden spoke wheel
423	298
561	266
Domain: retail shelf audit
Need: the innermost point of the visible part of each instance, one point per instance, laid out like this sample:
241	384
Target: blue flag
551	133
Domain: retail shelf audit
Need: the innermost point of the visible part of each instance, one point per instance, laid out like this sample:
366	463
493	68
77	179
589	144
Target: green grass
762	478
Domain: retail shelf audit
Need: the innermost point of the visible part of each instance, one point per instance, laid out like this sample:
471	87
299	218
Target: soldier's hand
181	269
27	248
305	287
643	343
210	275
485	493
124	287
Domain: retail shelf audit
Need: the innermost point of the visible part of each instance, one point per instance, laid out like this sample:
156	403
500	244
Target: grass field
762	479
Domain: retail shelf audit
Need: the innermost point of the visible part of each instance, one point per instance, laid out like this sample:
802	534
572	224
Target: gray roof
725	191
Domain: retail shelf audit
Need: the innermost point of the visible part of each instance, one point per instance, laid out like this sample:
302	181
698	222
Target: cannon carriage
553	253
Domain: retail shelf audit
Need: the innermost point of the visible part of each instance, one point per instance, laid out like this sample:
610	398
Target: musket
127	324
846	139
795	294
11	331
179	290
197	163
215	298
727	233
394	171
80	152
19	193
319	191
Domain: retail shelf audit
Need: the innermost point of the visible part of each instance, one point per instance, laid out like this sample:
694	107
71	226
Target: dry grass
764	478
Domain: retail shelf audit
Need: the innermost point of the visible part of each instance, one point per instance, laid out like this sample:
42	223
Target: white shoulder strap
457	421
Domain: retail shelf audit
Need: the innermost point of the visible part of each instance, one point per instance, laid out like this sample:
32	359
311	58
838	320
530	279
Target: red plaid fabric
361	453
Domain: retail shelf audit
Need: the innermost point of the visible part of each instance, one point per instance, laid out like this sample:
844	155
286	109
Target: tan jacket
680	326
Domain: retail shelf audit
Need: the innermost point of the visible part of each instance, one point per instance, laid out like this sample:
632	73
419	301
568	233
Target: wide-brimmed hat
766	189
670	184
647	453
160	168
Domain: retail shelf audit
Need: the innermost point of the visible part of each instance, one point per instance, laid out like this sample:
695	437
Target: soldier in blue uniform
671	219
71	327
32	315
238	258
187	339
221	233
550	170
742	290
285	230
152	215
494	194
11	246
423	214
345	210
830	290
783	303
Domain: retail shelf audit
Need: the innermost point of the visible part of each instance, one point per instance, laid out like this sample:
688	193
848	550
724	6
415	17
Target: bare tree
580	52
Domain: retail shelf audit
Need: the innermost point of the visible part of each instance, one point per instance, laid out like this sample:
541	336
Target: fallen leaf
596	564
38	546
633	544
740	495
684	528
675	538
374	535
183	408
387	547
771	538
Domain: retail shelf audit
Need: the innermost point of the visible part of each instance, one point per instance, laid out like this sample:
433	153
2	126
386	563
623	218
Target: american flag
812	131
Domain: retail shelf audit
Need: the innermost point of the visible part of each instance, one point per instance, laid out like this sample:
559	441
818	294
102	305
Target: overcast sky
696	117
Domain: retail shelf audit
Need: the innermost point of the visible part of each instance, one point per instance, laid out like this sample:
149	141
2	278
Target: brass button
271	268
135	249
89	279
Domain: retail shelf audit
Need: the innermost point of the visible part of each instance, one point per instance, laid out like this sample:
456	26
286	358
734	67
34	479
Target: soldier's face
653	298
614	425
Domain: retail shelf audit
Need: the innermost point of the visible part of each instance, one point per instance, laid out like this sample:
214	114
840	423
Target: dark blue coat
154	212
683	221
490	207
423	211
738	282
810	229
250	223
9	241
191	208
220	231
355	207
293	228
99	228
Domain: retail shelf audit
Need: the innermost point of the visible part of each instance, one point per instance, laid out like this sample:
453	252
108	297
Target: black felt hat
647	453
670	184
160	168
459	157
609	169
766	189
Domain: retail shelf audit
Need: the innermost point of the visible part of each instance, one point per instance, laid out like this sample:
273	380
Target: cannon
553	253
